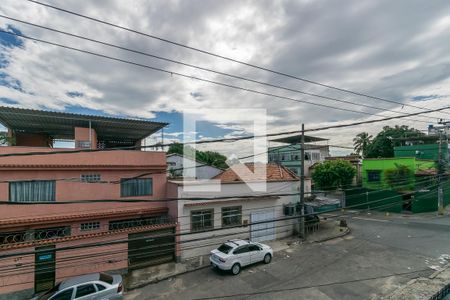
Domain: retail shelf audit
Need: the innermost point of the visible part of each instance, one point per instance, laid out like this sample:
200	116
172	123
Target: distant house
413	191
175	164
288	155
197	218
356	163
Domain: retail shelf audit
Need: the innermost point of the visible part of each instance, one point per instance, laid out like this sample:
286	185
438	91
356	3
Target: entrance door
407	203
151	248
44	270
264	231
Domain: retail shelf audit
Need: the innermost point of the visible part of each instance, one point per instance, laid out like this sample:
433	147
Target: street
378	256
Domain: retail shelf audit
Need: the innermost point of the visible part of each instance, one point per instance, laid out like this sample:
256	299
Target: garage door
151	248
264	231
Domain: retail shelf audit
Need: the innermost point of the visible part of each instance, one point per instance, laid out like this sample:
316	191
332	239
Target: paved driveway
376	258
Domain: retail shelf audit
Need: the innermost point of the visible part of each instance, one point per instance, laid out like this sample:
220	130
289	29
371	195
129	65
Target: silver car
97	286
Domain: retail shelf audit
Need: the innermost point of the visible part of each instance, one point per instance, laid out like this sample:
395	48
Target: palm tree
361	143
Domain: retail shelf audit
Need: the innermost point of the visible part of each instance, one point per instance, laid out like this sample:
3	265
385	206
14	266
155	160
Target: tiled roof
79	216
274	172
84	236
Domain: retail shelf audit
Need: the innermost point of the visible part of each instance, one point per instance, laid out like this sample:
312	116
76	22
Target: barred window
51	233
90	178
136	187
90	226
202	219
138	222
32	191
231	216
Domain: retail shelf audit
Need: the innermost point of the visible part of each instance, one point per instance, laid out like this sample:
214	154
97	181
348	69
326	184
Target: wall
383	164
203	172
85	135
426	151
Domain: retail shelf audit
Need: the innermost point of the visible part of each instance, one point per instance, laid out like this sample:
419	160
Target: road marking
369	219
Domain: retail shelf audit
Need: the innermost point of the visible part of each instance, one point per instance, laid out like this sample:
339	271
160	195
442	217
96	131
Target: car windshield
50	292
224	248
106	278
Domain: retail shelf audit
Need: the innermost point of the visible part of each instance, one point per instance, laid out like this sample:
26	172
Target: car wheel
267	258
236	269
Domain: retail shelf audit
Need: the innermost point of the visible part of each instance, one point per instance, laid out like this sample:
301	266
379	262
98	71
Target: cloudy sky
397	50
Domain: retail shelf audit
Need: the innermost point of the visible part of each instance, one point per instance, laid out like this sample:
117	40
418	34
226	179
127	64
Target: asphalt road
377	257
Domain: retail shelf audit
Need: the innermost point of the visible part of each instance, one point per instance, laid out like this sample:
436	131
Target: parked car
97	286
235	254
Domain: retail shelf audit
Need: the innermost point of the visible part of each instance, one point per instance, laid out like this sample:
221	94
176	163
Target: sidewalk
329	229
423	287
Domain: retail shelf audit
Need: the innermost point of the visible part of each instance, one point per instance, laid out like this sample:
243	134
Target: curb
347	231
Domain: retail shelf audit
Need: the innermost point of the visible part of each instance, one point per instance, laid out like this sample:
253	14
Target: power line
193	233
191	76
222	57
202	68
233	139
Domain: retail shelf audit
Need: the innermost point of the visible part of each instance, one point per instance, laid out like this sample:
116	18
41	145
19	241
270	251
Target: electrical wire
221	56
202	68
194	77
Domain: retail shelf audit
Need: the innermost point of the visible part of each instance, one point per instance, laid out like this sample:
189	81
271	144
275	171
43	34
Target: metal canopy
297	139
60	125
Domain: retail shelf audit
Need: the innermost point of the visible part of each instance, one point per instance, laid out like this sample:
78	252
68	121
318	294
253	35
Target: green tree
361	143
5	140
209	157
400	178
385	141
333	174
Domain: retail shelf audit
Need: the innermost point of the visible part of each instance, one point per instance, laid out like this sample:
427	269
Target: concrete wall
203	172
85	135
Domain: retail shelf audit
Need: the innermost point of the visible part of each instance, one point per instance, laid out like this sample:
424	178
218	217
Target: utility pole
440	174
302	185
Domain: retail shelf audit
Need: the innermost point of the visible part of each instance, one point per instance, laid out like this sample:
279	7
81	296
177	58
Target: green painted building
423	151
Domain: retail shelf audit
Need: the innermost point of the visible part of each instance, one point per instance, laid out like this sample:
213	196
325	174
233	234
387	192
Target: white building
206	221
195	169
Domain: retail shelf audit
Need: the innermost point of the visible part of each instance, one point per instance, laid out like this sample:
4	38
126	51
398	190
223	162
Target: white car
235	254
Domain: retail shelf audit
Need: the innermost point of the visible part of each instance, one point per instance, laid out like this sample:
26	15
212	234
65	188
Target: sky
397	50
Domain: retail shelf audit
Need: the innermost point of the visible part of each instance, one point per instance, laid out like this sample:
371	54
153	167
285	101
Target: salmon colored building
58	217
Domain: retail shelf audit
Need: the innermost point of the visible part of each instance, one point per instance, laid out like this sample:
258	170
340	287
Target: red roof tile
274	172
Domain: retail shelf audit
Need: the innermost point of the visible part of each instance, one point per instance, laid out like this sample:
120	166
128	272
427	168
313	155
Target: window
231	216
83	144
100	287
90	226
64	295
106	278
84	290
307	155
136	187
373	176
32	191
202	219
294	156
90	177
138	222
241	250
315	156
254	248
224	248
171	163
51	233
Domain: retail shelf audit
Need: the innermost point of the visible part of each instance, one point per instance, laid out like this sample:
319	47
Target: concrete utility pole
302	185
440	174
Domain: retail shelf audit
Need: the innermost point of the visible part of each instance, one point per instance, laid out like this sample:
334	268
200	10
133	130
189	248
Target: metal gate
264	231
151	248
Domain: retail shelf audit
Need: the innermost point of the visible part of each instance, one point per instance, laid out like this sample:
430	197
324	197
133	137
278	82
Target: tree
361	143
400	177
333	174
385	141
5	140
209	157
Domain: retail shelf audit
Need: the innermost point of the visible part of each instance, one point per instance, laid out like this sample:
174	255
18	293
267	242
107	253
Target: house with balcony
288	155
58	200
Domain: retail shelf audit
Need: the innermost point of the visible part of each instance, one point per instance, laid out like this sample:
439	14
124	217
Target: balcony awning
60	125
